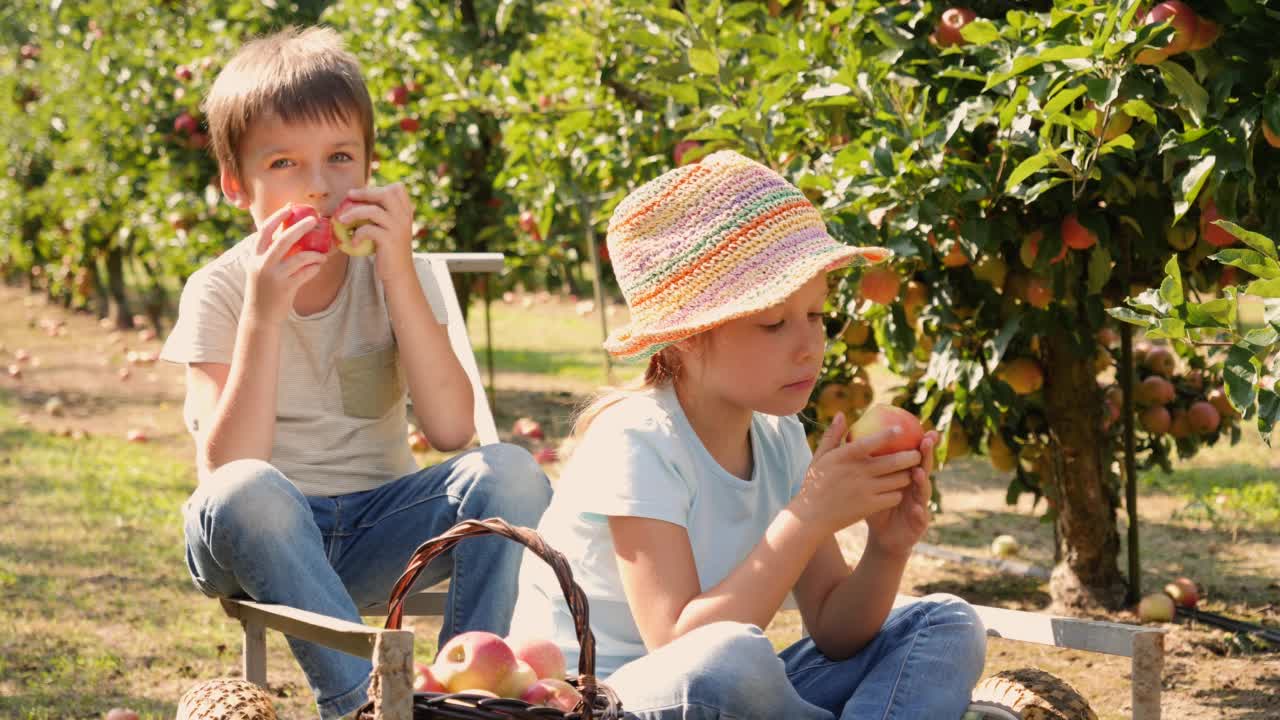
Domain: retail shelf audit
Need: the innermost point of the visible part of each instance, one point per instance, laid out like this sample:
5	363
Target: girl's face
767	361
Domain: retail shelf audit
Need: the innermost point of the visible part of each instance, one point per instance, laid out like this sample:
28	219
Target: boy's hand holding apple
378	220
276	270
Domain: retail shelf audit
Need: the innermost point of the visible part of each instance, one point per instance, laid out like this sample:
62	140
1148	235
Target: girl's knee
964	629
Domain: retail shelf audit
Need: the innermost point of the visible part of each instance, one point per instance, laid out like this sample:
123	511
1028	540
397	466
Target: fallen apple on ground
1004	546
1183	591
1156	607
121	714
527	427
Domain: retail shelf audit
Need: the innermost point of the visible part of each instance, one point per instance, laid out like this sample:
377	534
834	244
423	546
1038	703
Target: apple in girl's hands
554	693
317	239
879	417
344	232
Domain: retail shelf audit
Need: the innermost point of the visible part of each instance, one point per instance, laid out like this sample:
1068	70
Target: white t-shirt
340	400
641	458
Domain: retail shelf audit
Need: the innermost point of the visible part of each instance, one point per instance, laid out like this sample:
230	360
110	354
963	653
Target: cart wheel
1027	694
226	699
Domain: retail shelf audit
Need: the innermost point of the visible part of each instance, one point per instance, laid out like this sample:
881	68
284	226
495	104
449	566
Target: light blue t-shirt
640	457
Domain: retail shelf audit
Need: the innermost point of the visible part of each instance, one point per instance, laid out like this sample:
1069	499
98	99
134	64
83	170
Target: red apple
136	436
528	223
552	692
879	417
953	21
29	51
1203	417
1154	390
1184	592
527	427
398	95
546	456
1161	360
409	124
1213	234
880	285
1220	402
317	239
1271	136
1183	20
424	680
182	73
1207	32
185	123
682	148
344	232
1156	607
1039	294
520	680
1022	374
1075	235
418	442
121	714
1156	420
1030	250
544	656
474	660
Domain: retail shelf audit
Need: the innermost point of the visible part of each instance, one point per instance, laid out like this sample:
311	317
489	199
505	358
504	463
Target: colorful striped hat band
713	241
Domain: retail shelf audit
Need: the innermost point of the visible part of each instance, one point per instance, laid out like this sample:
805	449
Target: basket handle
577	600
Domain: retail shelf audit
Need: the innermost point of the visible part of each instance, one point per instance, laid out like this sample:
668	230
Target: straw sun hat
713	241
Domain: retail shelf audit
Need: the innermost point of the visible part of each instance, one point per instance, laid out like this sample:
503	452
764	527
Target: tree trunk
116	289
1079	483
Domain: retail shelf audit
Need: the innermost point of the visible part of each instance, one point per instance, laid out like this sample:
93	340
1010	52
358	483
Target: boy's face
768	361
312	163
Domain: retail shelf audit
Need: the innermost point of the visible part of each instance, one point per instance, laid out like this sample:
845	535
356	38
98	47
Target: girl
693	506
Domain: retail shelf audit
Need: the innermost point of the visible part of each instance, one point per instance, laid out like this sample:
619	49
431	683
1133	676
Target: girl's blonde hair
664	367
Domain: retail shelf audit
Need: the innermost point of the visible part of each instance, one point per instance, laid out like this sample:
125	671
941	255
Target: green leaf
1189	184
1100	265
1264	288
1168	328
1268	413
1130	316
704	61
980	32
825	91
1262	337
503	16
1171	286
1039	57
1141	110
1241	374
1250	261
1257	241
1215	313
1194	98
1027	168
1063	99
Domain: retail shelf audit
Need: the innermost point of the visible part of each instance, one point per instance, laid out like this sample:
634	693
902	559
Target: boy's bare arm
439	387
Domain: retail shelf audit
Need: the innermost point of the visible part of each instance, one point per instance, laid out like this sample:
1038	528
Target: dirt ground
1207	673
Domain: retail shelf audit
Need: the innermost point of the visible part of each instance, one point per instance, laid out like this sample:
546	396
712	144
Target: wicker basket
599	702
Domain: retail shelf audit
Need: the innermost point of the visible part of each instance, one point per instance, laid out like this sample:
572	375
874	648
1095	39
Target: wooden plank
255	652
426	602
486	428
470	262
353	638
1091	635
1148	669
391	684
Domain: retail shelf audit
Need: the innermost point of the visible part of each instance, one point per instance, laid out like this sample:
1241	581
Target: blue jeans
250	532
922	665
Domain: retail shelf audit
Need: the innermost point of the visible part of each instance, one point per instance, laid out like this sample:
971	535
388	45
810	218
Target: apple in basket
520	679
543	656
424	680
553	692
474	660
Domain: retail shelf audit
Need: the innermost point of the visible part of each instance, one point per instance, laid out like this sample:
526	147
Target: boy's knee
729	644
248	496
508	472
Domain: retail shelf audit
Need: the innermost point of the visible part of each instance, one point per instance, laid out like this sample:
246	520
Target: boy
297	367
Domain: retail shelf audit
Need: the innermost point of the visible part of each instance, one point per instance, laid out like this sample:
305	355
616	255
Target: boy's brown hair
298	74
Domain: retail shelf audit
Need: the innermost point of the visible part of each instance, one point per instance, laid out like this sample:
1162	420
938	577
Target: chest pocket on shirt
371	383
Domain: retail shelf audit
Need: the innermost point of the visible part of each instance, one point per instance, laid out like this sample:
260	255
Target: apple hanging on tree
948	34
